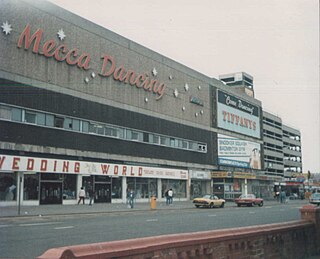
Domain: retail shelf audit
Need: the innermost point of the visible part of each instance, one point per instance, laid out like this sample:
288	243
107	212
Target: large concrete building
282	148
292	153
273	144
81	106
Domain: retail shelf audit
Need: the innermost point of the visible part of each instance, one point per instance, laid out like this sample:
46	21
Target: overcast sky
277	42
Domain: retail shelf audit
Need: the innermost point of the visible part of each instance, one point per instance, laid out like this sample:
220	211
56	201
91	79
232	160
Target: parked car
315	198
209	201
248	200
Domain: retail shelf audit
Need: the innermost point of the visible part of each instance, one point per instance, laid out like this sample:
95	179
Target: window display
178	186
143	187
69	187
31	187
8	187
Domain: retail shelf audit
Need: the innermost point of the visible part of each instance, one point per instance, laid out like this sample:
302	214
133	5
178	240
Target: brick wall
295	239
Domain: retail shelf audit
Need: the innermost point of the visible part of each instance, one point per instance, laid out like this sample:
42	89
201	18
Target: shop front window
178	186
31	187
117	188
196	189
142	187
8	187
69	187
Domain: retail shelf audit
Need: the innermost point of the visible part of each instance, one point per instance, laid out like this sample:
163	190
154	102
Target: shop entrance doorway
51	193
102	192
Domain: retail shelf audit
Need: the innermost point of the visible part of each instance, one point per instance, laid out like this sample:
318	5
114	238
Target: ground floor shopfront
37	181
230	185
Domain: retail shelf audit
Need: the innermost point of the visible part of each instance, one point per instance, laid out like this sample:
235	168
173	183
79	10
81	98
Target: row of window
272	135
273	147
52	120
272	123
295	159
291	135
291	147
292	169
273	159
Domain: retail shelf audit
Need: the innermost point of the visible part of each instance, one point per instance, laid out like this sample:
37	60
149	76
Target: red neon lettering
118	73
74	53
44	165
83	61
130	76
124	170
109	72
77	167
139	80
56	52
30	164
162	87
116	170
65	167
55	166
25	35
47	47
105	169
1	161
15	163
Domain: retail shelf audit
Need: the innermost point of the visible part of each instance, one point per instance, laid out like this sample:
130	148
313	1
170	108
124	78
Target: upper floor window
30	117
58	122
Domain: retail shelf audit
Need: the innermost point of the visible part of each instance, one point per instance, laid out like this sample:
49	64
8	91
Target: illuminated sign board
46	165
74	57
238	153
237	115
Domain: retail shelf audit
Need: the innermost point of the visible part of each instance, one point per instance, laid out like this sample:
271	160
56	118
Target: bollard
153	202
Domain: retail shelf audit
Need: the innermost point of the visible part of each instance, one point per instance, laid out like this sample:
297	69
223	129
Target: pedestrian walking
82	195
91	196
283	197
131	198
170	195
167	196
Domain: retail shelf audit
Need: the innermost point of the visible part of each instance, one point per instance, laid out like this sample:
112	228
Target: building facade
292	152
81	106
273	144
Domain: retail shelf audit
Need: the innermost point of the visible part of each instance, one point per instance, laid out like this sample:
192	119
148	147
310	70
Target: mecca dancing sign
74	57
44	165
240	153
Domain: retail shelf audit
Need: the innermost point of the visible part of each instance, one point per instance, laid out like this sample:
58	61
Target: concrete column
245	186
19	188
124	189
79	185
188	187
159	184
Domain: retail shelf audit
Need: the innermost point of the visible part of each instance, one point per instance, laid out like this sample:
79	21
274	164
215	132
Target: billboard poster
237	115
237	152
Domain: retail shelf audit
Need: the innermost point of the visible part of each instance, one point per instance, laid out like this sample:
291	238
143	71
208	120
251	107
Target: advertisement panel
237	115
240	153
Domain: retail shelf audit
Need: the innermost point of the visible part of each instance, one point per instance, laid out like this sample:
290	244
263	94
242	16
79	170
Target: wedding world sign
45	165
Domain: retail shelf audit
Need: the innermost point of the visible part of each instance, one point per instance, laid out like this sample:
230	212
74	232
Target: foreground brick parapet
286	240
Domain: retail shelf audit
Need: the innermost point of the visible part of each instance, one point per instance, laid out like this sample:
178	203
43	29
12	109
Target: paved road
28	237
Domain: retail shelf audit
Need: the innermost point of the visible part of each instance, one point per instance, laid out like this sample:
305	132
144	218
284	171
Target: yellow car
209	201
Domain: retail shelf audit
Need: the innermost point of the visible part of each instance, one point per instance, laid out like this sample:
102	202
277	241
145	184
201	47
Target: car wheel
238	205
261	204
222	205
197	206
211	205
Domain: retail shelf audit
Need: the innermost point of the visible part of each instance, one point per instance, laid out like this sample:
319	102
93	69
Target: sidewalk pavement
51	210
